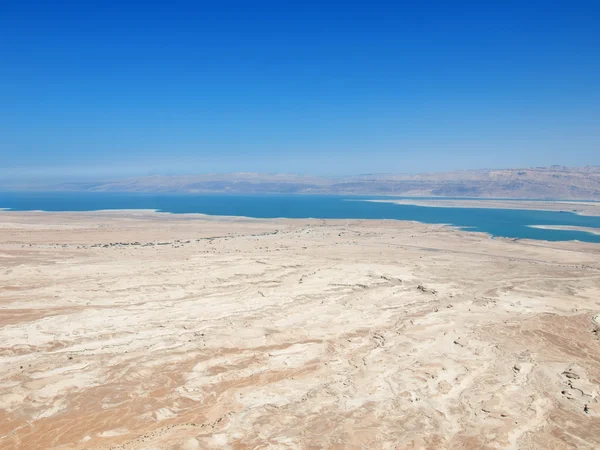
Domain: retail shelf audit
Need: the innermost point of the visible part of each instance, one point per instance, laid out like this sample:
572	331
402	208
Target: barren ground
141	330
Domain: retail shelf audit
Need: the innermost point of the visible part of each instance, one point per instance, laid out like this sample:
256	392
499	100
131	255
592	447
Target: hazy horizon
42	176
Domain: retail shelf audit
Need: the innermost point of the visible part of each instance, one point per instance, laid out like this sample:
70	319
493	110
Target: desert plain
140	330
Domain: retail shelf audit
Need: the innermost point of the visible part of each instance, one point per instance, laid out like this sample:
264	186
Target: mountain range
554	182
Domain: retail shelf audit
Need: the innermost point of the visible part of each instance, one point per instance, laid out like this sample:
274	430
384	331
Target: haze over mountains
555	182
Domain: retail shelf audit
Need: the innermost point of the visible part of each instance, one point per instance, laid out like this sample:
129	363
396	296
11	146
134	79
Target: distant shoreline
583	208
568	228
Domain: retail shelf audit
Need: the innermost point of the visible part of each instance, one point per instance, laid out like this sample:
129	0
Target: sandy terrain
151	331
568	228
583	208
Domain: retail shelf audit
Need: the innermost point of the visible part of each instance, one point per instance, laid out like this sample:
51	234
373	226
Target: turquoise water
507	223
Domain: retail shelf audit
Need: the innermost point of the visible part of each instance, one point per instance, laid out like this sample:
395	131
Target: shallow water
507	223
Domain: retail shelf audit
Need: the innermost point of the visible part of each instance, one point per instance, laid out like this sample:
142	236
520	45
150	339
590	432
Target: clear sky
101	88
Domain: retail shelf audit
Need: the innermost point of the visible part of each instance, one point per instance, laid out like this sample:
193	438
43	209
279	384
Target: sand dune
186	332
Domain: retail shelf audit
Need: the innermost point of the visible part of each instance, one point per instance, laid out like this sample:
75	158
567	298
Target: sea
506	223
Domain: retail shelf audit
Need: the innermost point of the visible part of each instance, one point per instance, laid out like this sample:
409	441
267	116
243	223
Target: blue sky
100	89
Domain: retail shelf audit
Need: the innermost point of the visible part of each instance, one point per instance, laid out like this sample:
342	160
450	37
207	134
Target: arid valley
140	330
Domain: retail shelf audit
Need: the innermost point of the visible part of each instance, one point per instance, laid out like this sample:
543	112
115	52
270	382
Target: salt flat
564	227
144	330
584	208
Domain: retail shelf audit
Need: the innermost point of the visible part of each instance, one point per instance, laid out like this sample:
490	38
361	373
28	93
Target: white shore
568	228
581	208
